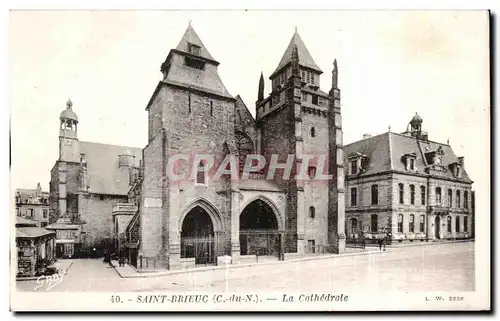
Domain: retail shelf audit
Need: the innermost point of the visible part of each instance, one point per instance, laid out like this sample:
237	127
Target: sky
392	64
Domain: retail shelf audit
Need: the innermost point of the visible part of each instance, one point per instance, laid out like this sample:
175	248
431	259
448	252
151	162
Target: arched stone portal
198	237
259	230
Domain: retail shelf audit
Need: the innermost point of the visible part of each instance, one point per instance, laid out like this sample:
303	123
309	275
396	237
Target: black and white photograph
249	160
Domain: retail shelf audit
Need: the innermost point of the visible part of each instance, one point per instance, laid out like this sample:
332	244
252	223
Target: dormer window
409	160
354	167
357	162
455	169
194	49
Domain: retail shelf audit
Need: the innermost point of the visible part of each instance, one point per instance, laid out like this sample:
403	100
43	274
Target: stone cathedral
162	223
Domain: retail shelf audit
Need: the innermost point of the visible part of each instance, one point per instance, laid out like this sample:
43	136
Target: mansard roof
384	153
305	58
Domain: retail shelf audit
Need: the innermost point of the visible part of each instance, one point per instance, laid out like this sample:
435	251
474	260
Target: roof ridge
106	144
390	150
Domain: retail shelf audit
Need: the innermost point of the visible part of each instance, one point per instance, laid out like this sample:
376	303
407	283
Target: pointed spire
261	88
189	38
335	74
389	128
306	59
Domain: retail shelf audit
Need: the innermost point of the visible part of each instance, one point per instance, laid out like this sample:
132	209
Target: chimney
365	136
461	161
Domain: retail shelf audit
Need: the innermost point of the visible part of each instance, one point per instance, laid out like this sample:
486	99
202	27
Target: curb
237	266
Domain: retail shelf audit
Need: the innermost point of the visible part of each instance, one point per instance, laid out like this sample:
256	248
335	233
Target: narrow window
374	194
466	199
450	198
412	194
312	212
438	195
422	223
458	199
401	193
200	174
466	225
448	219
422	195
374	223
354	167
313	132
311	171
400	223
189	102
457	224
211	109
412	164
315	100
354	196
45	213
412	223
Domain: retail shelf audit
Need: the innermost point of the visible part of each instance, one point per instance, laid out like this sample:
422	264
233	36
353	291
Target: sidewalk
130	272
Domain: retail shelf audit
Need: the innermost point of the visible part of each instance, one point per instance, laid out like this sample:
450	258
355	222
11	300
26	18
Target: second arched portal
259	230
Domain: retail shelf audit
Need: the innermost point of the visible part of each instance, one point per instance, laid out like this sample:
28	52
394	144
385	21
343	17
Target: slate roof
207	80
190	36
104	175
24	222
32	232
385	152
305	58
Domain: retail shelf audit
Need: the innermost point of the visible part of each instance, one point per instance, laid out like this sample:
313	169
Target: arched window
412	194
450	198
312	212
400	223
354	225
374	194
374	223
448	219
412	223
457	224
466	199
422	195
200	174
401	193
313	132
458	199
422	223
438	195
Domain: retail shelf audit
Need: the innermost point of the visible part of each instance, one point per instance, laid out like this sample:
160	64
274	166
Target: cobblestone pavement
443	267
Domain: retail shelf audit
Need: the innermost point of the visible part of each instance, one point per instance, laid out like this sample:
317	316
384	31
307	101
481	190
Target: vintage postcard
249	160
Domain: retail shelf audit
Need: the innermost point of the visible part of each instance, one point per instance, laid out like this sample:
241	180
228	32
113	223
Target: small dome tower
69	121
68	138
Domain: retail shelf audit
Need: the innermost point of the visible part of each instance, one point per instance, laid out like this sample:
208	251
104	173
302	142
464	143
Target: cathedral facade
204	219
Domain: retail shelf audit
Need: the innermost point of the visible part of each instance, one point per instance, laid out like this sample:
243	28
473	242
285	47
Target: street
440	267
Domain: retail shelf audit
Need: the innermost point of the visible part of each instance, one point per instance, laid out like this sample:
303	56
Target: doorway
437	223
197	237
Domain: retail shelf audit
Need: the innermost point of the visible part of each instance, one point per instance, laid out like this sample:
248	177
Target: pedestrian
380	244
121	261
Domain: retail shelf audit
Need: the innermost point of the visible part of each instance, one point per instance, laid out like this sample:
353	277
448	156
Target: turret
260	97
68	135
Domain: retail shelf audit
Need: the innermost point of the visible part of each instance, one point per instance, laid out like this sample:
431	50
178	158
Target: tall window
354	196
450	198
45	213
312	212
438	195
466	199
18	212
458	199
200	175
448	219
311	171
422	195
412	164
412	223
400	223
374	223
354	167
466	225
412	194
457	223
401	193
211	108
313	132
374	194
422	223
30	213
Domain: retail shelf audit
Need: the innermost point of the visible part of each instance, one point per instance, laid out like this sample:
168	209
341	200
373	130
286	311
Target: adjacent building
34	245
33	204
408	187
87	180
